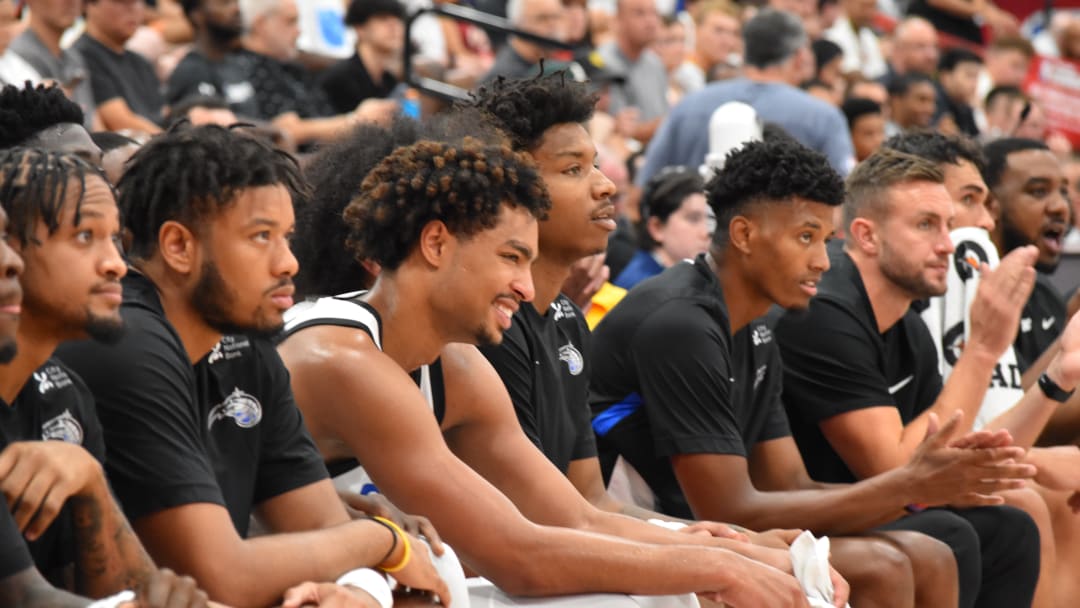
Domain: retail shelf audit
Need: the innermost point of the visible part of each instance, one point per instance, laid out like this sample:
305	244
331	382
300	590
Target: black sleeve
768	396
186	79
144	388
104	87
513	362
338	89
830	363
682	360
289	458
580	413
14	556
93	434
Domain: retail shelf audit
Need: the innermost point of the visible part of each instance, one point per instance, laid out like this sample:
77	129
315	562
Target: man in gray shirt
39	46
777	57
637	26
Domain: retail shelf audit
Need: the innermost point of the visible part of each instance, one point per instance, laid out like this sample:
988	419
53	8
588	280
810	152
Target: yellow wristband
407	555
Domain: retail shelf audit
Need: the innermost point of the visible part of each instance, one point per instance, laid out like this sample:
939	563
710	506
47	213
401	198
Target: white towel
947	318
810	561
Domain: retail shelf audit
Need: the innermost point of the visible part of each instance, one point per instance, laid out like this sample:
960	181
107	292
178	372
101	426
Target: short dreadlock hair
464	185
774	170
34	185
526	108
190	174
28	110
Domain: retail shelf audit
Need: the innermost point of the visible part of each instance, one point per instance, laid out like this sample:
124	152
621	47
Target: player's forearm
1027	419
1032	373
964	391
109	557
28	589
846	509
271	564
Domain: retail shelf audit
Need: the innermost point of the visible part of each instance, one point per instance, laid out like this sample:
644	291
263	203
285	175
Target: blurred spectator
671	48
203	110
958	18
126	88
914	49
821	90
207	69
805	10
520	58
39	45
116	149
676	224
379	27
958	74
912	100
828	57
577	32
869	89
1002	110
13	69
637	26
777	58
1069	42
854	32
717	42
1006	64
468	49
866	124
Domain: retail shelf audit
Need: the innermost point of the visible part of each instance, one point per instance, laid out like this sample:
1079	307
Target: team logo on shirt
51	378
952	343
759	376
63	428
573	359
761	335
1025	325
244	409
561	309
229	348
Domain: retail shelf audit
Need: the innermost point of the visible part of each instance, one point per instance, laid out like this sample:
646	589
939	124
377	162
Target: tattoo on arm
109	557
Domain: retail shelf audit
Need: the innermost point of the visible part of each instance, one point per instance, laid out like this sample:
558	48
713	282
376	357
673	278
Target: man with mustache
861	377
61	216
198	417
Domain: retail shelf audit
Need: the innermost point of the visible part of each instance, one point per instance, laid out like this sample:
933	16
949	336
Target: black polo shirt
126	75
282	87
229	79
1041	322
836	361
53	405
14	558
224	431
670	379
347	83
542	361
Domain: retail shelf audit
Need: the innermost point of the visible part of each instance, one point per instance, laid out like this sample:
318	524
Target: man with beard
64	221
208	68
1031	195
200	425
861	377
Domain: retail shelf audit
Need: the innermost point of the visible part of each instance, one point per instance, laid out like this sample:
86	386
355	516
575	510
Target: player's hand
778	538
943	474
1059	466
420	574
165	589
377	505
999	301
38	477
752	584
1064	368
714	529
328	595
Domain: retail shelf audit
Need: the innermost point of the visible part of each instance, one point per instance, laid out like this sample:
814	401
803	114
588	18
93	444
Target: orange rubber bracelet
406	556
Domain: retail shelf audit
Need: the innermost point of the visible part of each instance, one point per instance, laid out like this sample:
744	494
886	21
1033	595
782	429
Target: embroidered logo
761	335
1047	323
570	355
63	428
229	348
562	309
51	378
244	409
1025	325
759	376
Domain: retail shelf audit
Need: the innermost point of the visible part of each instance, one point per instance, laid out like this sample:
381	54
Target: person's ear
740	230
436	241
863	234
178	246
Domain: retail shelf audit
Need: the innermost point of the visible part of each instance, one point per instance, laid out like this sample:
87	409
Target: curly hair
776	169
938	147
189	174
26	111
34	185
526	108
463	185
